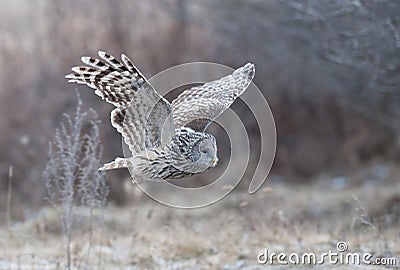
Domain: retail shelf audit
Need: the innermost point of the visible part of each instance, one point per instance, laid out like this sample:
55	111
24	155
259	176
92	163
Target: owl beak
214	161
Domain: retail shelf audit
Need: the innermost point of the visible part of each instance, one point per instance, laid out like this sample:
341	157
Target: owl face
207	152
192	152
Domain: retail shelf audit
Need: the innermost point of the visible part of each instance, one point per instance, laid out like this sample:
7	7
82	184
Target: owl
167	140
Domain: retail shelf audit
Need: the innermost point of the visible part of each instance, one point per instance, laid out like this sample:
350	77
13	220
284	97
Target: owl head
194	152
206	152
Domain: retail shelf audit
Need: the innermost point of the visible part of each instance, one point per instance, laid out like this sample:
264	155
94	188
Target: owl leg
116	164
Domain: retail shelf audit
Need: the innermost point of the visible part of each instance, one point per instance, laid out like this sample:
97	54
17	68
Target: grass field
362	210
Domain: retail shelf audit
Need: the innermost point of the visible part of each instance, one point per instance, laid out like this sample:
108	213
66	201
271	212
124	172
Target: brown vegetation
329	70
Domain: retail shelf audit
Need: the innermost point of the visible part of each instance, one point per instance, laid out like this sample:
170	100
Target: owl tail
116	164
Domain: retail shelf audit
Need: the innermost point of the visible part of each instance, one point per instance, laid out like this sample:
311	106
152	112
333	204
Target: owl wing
198	106
143	117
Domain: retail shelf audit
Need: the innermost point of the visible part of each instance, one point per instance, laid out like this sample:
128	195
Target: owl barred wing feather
163	138
141	112
113	81
146	123
198	106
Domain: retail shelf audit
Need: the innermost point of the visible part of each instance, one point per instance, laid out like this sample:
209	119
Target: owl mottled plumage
167	140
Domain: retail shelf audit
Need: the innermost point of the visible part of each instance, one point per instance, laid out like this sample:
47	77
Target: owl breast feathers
167	140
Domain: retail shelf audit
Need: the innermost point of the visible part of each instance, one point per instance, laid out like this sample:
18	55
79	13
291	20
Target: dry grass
230	234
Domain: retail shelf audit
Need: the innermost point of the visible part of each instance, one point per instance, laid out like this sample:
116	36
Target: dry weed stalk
71	176
9	193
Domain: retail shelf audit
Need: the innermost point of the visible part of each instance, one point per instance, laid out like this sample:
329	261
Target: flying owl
167	140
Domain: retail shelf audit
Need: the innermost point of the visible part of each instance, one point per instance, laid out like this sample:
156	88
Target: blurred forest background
329	70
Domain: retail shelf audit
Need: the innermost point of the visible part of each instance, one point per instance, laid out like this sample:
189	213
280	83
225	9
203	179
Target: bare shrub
71	175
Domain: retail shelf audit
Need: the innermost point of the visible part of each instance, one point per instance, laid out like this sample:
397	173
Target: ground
362	210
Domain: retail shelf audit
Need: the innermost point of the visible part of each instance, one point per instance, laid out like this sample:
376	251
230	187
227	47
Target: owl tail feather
116	164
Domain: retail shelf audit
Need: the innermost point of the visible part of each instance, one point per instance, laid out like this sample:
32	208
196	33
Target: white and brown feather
140	109
164	138
211	99
113	81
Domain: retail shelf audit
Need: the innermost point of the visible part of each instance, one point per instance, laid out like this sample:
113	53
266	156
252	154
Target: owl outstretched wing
198	106
142	116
